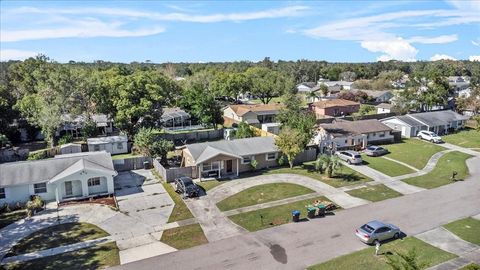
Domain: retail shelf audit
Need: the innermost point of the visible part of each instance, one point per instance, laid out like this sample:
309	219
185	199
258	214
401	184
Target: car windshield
187	181
367	228
357	156
371	148
433	134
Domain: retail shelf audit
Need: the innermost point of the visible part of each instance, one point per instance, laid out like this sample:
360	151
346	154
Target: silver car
351	157
375	151
377	231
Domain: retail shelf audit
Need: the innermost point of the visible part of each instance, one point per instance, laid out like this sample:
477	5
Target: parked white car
351	157
429	136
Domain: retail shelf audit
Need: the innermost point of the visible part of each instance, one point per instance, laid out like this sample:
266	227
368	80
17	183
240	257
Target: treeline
42	91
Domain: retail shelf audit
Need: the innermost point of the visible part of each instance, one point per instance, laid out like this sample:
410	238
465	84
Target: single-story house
222	158
112	144
342	134
335	86
459	82
334	107
273	128
306	87
439	122
62	178
70	148
384	108
254	114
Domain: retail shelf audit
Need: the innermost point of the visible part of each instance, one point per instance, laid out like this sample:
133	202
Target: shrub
33	205
254	164
41	154
67	138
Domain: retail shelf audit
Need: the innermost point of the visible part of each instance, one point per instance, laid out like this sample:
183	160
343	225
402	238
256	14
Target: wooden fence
169	174
193	136
133	163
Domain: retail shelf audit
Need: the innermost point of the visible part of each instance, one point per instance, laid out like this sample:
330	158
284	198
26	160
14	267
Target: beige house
224	158
254	114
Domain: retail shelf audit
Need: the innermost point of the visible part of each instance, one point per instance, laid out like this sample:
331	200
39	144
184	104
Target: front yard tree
230	84
328	163
147	143
289	141
267	83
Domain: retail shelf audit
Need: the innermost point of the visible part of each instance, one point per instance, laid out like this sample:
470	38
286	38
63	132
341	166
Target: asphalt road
299	245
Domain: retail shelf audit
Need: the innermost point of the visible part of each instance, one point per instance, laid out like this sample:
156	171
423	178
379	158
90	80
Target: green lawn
9	218
413	152
374	193
97	257
442	173
272	216
262	194
56	236
180	210
125	156
366	260
472	266
207	185
184	237
469	138
345	176
386	166
468	229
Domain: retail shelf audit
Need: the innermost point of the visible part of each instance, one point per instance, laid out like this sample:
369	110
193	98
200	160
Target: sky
213	31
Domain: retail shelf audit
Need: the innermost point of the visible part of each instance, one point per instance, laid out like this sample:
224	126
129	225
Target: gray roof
438	118
236	148
409	120
341	128
30	172
109	139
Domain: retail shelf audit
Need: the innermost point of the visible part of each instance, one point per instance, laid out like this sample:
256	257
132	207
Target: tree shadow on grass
349	177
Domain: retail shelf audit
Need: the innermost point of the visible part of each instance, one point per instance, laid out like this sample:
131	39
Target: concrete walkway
388	181
401	163
445	240
217	226
461	149
459	262
432	162
57	250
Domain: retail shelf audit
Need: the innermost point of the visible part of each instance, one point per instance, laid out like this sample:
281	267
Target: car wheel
396	236
375	242
349	162
432	141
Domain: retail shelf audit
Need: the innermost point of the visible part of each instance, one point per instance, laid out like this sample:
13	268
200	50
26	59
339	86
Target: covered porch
218	166
82	180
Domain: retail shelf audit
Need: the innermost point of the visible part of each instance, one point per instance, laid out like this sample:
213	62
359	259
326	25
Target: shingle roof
438	118
344	127
409	120
235	148
372	93
29	172
384	105
328	103
242	109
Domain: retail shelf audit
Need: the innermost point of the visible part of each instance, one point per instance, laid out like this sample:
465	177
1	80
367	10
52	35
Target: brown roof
257	108
355	127
328	103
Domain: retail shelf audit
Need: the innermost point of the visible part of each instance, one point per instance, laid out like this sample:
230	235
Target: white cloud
476	43
437	57
393	49
289	11
433	40
12	54
79	29
474	58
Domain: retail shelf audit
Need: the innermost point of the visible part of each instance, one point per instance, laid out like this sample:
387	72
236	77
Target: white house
384	108
63	178
439	122
113	144
342	134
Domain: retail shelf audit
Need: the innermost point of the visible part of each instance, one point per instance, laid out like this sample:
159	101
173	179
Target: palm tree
312	96
405	261
328	163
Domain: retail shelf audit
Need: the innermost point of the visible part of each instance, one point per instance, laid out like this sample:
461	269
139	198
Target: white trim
267	159
251	158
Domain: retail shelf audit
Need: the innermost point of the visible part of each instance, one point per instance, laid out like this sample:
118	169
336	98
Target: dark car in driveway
186	187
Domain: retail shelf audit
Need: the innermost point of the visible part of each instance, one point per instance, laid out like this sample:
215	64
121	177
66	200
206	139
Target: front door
229	166
68	188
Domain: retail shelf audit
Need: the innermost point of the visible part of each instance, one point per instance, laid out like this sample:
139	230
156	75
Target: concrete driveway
141	197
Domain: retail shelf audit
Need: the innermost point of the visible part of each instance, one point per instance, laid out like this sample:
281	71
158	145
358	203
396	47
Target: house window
94	181
119	145
96	148
381	134
271	156
213	166
246	160
40	188
2	193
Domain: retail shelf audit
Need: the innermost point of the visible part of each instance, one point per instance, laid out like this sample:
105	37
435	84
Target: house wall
381	136
102	188
336	111
76	188
228	112
382	110
80	187
21	193
385	97
112	148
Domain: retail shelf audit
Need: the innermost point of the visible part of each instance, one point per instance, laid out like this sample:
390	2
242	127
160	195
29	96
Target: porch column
84	182
237	166
56	193
199	172
220	169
